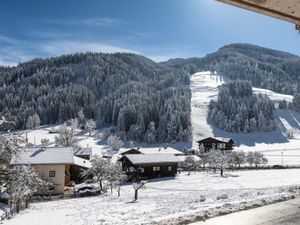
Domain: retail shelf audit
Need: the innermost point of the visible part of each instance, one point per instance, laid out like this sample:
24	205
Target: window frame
156	168
52	173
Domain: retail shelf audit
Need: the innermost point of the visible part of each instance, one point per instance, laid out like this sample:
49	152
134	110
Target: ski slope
276	145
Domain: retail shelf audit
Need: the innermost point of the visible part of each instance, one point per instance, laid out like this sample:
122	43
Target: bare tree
45	141
204	158
116	177
99	170
8	149
90	126
74	123
81	117
188	164
137	185
33	121
259	159
218	159
65	137
114	142
250	158
18	188
239	157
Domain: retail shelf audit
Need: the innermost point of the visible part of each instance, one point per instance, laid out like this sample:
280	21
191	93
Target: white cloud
13	51
101	21
166	53
68	46
94	21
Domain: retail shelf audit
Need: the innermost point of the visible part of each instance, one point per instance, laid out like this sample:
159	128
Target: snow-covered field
278	148
95	141
166	200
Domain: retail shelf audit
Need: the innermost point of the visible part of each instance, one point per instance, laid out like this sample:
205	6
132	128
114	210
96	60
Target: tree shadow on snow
277	136
160	179
230	175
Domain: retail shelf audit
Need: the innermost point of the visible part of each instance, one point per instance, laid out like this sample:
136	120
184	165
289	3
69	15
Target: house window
52	173
156	168
142	170
169	168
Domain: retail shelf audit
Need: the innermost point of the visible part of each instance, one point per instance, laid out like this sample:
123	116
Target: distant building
150	162
210	143
57	164
162	150
129	151
84	153
150	165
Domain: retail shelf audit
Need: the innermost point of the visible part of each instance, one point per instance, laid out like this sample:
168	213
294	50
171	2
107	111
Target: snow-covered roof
227	139
137	159
83	151
224	140
195	157
46	156
157	150
124	151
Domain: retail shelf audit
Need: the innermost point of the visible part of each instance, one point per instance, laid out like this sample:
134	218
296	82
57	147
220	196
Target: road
283	213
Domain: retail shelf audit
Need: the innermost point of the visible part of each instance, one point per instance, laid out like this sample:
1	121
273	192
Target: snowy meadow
169	200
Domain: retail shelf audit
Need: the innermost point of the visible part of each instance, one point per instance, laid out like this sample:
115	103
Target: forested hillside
265	68
238	110
141	99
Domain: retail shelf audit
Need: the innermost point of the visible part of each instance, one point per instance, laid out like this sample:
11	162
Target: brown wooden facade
213	143
149	170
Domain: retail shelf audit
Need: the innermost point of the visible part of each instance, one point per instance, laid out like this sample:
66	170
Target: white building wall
58	180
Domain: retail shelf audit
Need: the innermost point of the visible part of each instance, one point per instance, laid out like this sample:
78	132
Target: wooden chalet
211	143
150	165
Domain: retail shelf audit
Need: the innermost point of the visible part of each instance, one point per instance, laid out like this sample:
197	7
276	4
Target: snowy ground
283	213
275	145
166	200
95	141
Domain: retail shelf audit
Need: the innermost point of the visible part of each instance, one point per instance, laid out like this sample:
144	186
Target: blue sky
159	29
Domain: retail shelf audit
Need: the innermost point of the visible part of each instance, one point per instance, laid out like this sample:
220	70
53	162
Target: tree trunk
100	184
119	191
136	195
221	172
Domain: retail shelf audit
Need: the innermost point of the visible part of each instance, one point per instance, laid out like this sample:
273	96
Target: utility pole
282	156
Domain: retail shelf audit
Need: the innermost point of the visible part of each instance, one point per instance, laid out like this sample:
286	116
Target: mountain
142	100
266	68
